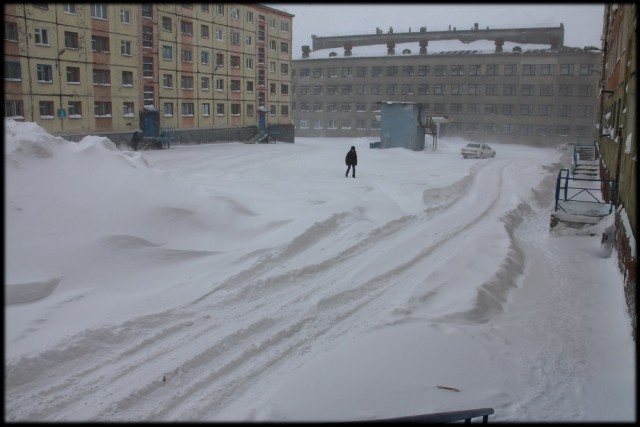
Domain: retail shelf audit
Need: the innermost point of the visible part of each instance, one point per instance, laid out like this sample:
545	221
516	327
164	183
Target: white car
477	151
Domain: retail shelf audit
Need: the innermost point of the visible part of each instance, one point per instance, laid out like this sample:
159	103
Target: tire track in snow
267	333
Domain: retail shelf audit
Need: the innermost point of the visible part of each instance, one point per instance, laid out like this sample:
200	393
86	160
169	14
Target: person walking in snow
351	160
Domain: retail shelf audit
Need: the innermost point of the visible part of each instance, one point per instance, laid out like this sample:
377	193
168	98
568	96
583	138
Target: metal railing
439	417
583	194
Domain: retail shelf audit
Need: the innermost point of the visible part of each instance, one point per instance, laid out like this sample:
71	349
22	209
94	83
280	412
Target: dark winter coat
352	157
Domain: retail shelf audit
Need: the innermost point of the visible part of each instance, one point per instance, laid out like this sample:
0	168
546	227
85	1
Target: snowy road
302	263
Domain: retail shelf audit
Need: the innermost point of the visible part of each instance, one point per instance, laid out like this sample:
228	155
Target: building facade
535	96
92	68
617	134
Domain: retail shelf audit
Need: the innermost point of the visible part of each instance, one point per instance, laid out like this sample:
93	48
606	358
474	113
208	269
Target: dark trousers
349	168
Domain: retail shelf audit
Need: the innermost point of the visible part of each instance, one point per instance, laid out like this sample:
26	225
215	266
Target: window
204	31
528	70
46	109
345	107
304	90
13	109
167	81
166	23
260	55
205	57
509	90
272	45
284	89
527	90
472	108
204	83
75	109
186	55
284	68
543	130
147	11
376	71
220	109
361	90
71	40
186	82
331	72
69	8
272	22
220	9
438	89
99	44
566	70
148	95
284	26
250	110
526	109
101	77
474	70
492	70
376	89
345	124
248	63
455	108
167	52
248	40
360	71
44	74
284	110
507	109
249	86
147	37
102	109
585	90
564	110
510	69
284	47
127	78
491	89
73	75
11	31
99	10
12	71
391	89
586	69
42	36
423	70
168	109
220	85
457	70
235	85
186	28
473	89
584	111
206	109
272	88
219	60
490	109
392	70
234	13
125	16
361	106
407	70
261	33
546	90
407	89
127	109
147	67
562	130
234	61
187	109
423	89
125	48
249	16
441	70
546	70
545	110
456	89
564	90
234	37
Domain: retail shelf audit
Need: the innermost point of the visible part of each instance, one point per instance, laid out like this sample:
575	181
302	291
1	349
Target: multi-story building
92	68
617	134
542	95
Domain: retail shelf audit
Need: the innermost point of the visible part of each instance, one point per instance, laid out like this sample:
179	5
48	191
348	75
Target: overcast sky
582	22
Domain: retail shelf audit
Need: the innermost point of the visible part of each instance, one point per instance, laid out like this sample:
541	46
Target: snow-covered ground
243	282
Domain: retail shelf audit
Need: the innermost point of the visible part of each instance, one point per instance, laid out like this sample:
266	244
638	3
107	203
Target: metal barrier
438	417
584	197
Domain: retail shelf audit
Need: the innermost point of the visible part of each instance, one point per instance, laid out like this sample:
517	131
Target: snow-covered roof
441	47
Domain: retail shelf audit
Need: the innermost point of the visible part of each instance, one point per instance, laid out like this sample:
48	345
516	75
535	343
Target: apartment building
543	95
617	139
93	68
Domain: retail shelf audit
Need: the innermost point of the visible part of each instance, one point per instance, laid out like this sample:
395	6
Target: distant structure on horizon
537	96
